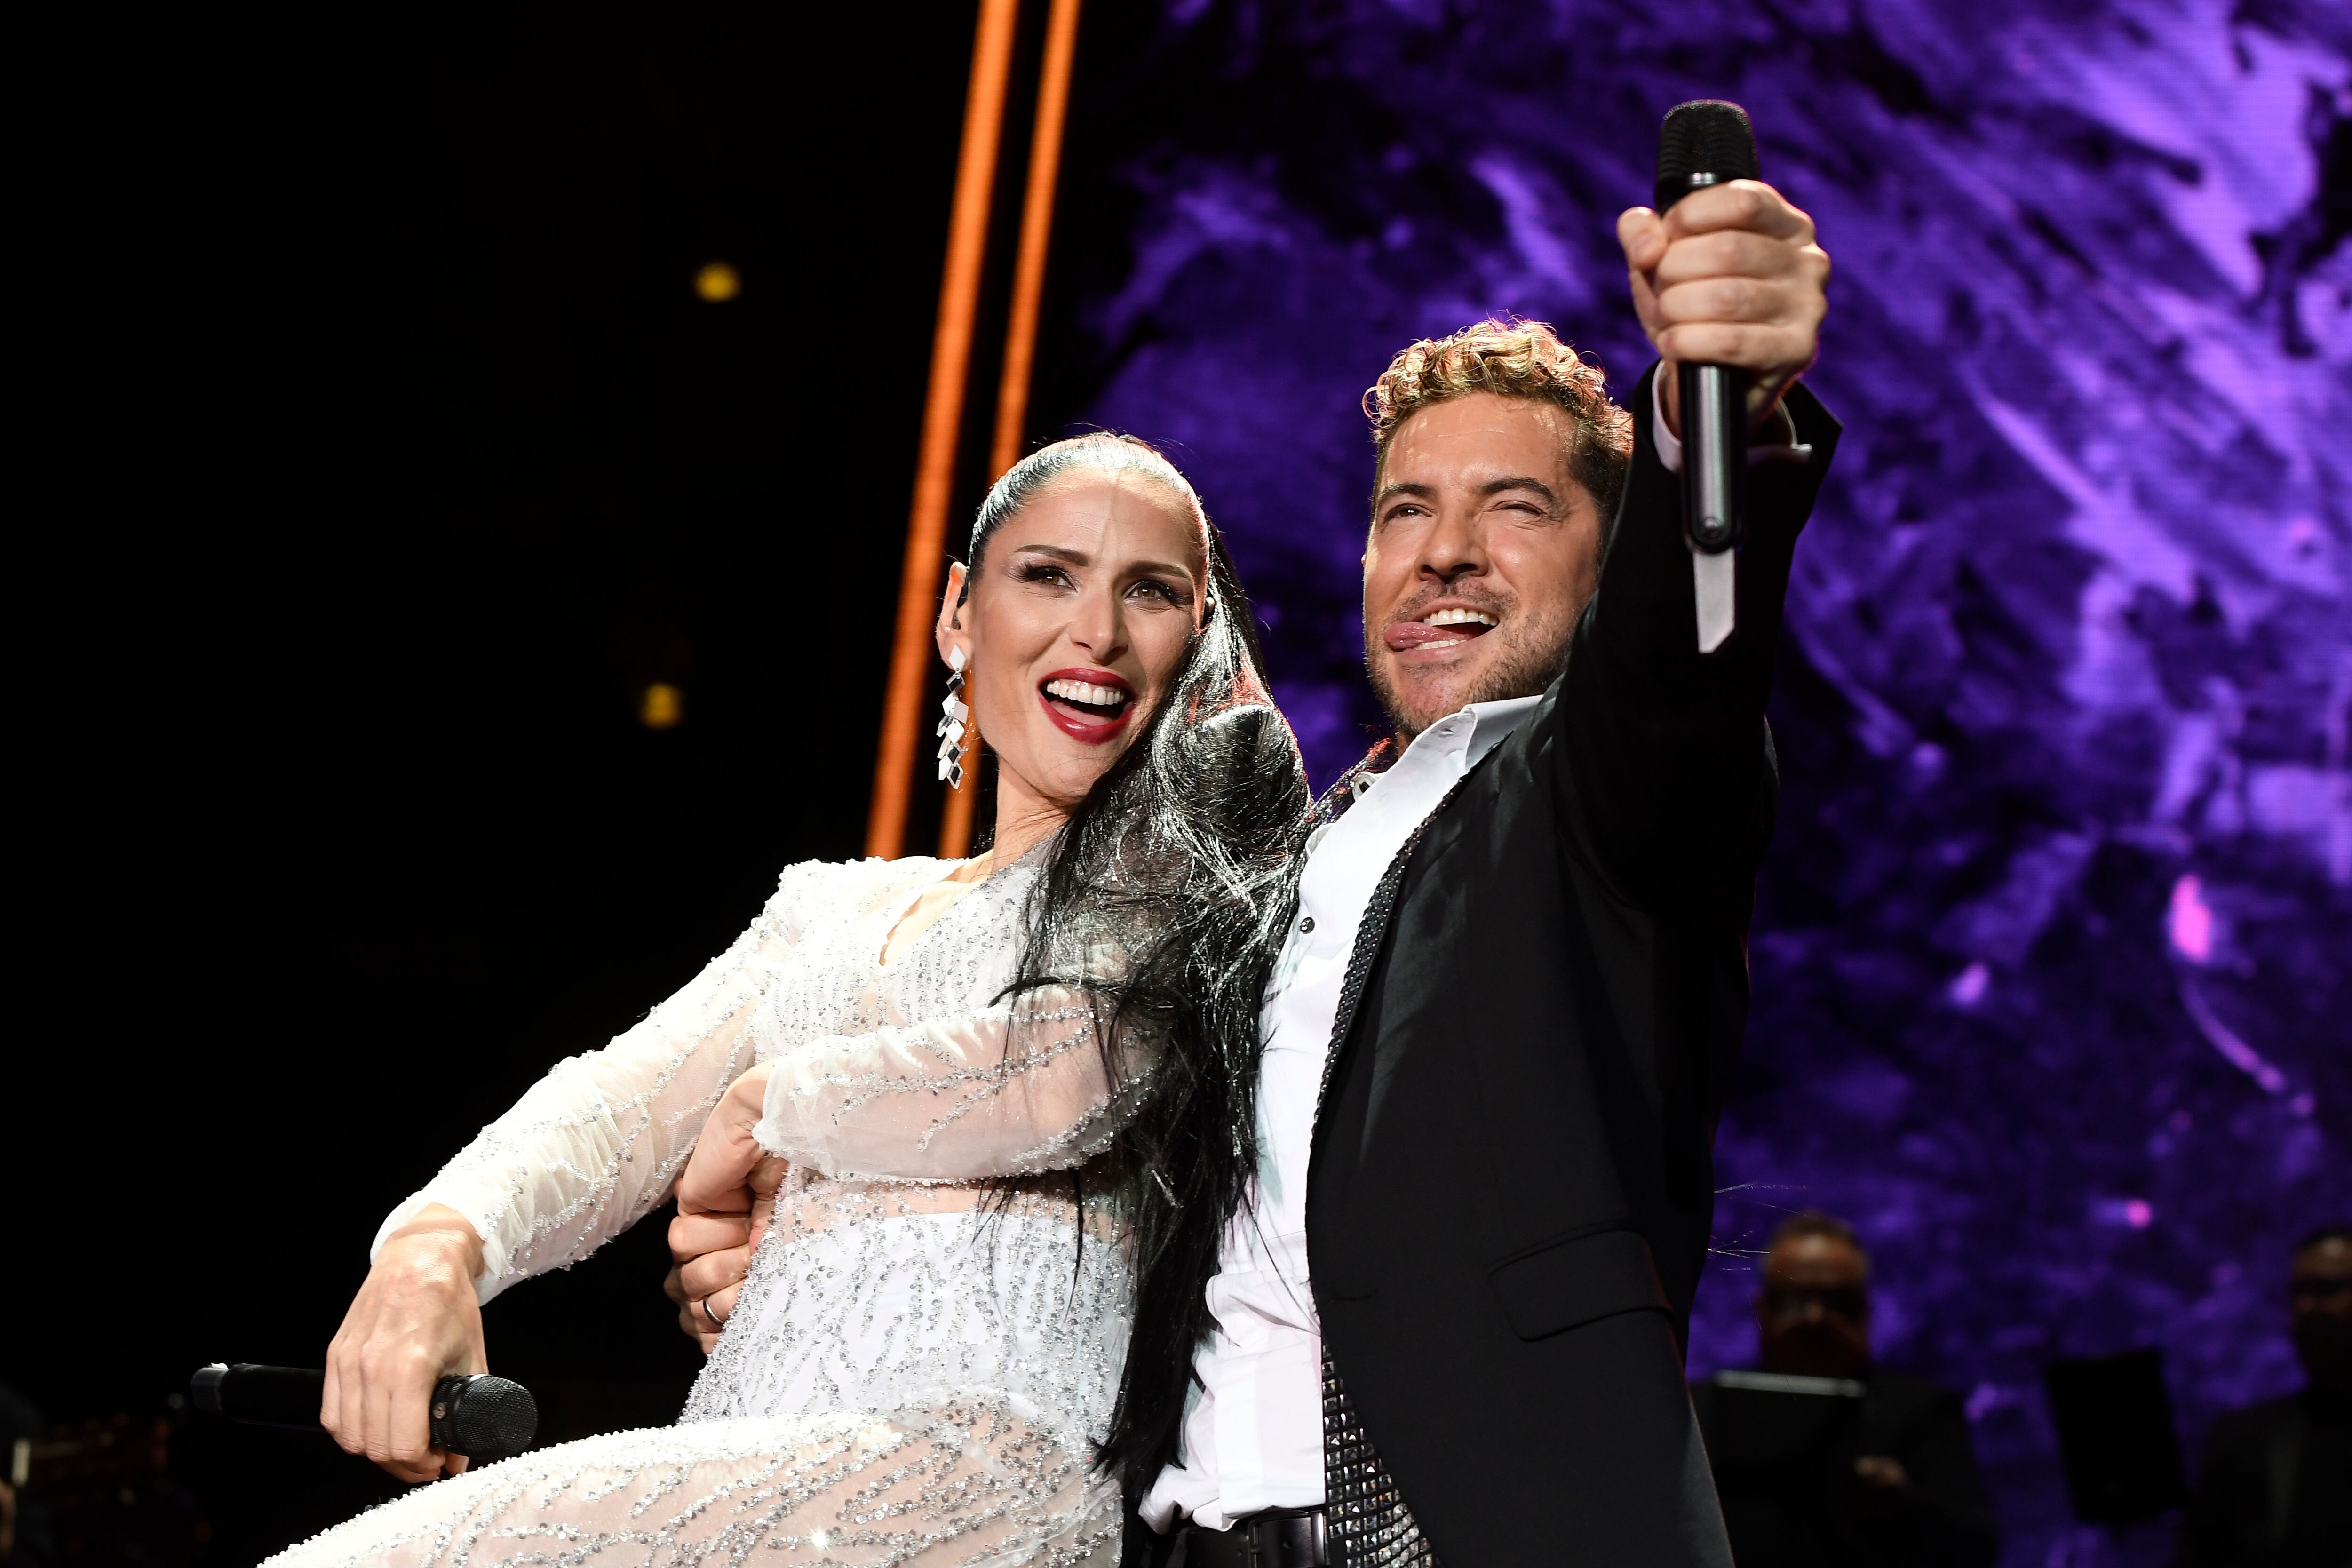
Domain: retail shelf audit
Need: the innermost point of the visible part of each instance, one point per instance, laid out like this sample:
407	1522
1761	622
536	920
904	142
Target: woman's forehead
1120	517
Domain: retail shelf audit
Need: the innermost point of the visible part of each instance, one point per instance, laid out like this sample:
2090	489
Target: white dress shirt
1252	1435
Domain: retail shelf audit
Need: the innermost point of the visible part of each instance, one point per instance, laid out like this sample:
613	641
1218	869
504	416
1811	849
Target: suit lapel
1371	932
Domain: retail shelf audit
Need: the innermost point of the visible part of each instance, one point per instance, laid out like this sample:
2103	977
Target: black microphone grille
484	1418
1705	136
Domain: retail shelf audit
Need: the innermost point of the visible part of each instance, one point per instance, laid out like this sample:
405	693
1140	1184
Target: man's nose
1453	549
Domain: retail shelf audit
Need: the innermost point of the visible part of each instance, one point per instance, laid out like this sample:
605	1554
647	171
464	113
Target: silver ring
715	1321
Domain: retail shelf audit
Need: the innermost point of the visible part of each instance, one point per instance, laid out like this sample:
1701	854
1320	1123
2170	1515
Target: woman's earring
953	714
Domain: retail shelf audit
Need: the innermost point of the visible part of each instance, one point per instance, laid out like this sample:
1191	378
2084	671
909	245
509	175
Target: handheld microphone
481	1417
1707	142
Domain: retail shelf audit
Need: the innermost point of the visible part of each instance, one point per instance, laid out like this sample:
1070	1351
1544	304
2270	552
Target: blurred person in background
1906	1491
2275	1487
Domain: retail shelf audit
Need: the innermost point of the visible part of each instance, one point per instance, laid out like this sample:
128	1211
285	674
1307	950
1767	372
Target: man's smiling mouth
1444	628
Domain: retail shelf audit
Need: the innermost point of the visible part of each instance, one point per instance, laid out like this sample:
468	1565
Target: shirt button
1307	925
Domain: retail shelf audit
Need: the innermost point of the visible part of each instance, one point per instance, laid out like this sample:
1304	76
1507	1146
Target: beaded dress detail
929	1346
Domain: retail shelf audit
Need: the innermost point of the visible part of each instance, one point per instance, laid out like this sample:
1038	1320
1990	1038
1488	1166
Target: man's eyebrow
1389	492
1491	488
1497	487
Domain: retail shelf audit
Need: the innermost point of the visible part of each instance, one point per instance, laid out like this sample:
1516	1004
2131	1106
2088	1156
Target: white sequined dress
925	1353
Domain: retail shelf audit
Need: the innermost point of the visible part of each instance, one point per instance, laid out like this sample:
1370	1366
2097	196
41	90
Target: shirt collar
1461	738
1476	730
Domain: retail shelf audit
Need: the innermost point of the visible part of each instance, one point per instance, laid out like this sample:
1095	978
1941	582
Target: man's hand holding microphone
725	1199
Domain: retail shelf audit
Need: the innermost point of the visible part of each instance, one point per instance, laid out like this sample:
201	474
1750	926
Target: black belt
1279	1538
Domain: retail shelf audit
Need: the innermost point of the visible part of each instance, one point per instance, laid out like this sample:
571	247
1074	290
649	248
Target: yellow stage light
718	282
662	707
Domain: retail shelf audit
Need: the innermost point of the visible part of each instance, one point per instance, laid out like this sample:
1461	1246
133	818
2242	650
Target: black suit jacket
1511	1188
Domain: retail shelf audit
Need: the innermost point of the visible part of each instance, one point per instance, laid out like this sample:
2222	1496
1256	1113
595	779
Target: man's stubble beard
1527	664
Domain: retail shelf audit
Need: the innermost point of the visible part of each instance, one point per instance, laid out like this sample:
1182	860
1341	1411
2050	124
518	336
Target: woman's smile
1089	705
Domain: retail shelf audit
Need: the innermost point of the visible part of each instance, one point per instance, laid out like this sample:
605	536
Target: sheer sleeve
599	1140
1013	1089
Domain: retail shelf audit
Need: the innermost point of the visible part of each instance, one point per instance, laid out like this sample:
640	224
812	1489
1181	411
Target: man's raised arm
1665	781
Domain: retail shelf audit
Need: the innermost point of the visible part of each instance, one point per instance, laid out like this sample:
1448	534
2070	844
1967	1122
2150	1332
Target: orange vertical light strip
1021	328
1036	229
918	581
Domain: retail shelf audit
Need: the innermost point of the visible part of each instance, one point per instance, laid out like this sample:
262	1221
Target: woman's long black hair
1181	860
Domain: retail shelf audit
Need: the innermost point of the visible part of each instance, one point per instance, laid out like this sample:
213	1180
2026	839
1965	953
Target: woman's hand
414	1322
725	1198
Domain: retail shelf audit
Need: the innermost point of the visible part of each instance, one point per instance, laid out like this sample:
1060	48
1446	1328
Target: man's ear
950	631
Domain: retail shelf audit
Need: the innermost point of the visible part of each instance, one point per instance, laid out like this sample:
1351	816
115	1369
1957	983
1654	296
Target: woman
1012	1093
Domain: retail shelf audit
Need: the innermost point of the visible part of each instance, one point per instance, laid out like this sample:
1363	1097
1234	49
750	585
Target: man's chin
1417	697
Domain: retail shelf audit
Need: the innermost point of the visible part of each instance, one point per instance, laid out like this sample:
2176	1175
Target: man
2275	1488
1502	1023
1905	1491
1500	1027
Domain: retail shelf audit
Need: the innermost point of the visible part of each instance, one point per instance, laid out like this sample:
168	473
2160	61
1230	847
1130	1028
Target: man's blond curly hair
1512	358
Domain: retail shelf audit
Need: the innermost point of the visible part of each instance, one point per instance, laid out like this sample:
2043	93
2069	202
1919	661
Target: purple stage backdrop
2050	954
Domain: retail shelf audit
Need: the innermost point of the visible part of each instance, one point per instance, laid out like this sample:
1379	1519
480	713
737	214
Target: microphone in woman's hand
480	1416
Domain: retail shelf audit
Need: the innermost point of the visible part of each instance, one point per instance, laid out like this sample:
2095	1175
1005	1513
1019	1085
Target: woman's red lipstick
1084	720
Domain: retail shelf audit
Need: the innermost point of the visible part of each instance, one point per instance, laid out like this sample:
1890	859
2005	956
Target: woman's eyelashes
1168	594
1045	574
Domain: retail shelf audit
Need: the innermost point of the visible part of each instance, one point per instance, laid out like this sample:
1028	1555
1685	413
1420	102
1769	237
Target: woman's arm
1013	1089
596	1143
585	1153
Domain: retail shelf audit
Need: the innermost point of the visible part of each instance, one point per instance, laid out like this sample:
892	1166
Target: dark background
389	454
384	453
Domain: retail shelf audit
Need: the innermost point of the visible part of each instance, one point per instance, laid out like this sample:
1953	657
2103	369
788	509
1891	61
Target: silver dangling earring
951	723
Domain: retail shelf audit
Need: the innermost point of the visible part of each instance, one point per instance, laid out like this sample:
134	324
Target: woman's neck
1023	819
